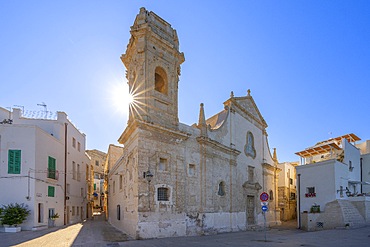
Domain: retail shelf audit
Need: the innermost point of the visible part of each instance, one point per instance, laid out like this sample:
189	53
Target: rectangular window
87	172
68	190
114	187
292	196
94	186
82	192
78	172
51	168
191	170
120	182
78	211
73	210
73	170
97	162
73	142
162	166
14	161
162	194
51	191
291	181
40	213
78	146
310	192
310	189
350	166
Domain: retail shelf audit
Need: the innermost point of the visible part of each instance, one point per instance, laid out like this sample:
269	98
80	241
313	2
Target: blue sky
307	63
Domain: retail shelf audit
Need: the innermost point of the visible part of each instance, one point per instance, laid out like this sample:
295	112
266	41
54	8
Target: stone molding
216	145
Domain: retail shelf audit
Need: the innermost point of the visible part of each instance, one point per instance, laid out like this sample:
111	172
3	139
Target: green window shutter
94	186
51	191
14	161
51	167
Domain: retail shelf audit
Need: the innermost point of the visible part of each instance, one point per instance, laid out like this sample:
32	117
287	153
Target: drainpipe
361	174
65	173
299	201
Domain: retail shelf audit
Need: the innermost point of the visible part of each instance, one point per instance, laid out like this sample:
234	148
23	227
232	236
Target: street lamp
148	176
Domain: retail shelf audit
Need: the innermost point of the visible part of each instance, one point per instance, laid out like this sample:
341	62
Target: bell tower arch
153	60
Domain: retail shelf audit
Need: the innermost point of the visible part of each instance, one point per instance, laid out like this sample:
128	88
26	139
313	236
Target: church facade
179	180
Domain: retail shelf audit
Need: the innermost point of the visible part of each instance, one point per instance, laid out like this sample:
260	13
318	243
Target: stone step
351	216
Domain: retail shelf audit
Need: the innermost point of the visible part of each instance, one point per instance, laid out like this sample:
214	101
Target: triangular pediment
247	108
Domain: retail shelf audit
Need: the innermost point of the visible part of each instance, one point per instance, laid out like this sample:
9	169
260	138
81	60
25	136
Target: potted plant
14	215
1	215
52	219
55	216
315	208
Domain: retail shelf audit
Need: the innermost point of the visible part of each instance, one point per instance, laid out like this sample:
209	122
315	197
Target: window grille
162	194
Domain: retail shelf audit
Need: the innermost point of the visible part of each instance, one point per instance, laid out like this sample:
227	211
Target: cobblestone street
98	232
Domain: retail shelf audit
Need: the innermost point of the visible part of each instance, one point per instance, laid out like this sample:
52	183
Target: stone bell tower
153	60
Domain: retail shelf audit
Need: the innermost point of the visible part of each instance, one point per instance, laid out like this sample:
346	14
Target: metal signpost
264	203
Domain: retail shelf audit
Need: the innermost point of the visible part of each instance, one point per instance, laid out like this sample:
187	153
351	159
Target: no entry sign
264	196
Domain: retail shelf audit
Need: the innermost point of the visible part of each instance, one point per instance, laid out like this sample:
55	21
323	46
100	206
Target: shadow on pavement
98	231
287	225
10	239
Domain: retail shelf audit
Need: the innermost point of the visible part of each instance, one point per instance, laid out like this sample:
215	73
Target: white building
329	181
365	167
43	164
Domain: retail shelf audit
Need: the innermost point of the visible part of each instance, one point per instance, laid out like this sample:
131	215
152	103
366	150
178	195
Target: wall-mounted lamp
148	175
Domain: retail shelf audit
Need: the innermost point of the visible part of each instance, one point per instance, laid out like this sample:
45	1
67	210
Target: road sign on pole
264	203
264	196
264	208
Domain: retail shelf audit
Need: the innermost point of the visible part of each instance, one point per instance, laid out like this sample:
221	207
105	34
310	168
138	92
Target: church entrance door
250	210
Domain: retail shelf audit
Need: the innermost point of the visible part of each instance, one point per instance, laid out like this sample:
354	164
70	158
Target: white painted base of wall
175	225
37	228
12	229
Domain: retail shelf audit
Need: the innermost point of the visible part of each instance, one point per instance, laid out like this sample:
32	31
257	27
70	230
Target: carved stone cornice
133	125
252	186
269	167
216	145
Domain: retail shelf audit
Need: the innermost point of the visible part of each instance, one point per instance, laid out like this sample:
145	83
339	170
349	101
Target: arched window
160	81
221	189
271	195
118	212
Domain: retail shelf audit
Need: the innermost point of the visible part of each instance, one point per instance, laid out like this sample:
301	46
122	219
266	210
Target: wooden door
250	210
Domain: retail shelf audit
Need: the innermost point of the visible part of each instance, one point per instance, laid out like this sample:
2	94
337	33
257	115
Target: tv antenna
45	108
